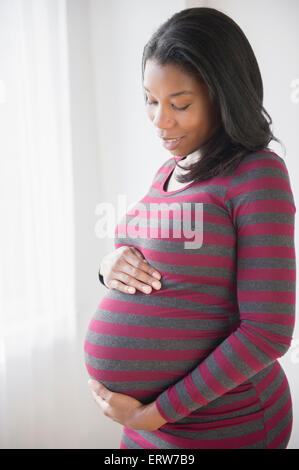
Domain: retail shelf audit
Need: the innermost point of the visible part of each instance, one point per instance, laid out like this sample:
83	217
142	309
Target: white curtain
36	191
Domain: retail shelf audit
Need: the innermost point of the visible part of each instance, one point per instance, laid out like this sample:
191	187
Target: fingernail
156	285
157	275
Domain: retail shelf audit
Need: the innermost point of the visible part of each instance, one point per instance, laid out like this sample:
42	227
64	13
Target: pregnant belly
140	350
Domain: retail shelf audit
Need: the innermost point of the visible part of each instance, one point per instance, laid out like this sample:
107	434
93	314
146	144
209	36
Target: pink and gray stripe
205	346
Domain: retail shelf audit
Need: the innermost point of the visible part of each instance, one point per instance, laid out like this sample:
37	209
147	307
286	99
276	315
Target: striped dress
205	346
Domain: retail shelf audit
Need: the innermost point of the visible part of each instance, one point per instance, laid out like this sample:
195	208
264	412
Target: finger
93	384
130	275
101	403
96	396
132	282
105	408
138	270
118	285
97	387
137	252
102	391
141	263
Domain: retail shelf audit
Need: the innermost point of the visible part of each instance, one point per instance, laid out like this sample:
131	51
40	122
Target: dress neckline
168	175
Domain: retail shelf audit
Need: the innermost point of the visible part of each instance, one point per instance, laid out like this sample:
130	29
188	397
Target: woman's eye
182	109
175	107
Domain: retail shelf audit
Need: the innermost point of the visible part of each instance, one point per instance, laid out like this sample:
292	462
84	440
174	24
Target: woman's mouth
172	144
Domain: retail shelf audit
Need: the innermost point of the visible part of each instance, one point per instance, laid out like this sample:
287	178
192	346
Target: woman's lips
172	144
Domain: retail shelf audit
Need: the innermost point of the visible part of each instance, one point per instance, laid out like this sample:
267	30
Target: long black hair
209	45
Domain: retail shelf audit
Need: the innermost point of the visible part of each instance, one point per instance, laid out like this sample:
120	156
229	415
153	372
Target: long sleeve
260	202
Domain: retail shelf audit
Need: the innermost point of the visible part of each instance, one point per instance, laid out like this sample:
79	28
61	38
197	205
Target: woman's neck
191	158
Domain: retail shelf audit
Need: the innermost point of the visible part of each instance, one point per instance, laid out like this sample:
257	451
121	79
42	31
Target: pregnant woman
182	350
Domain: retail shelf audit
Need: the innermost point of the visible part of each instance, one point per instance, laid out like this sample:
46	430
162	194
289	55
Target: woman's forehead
171	77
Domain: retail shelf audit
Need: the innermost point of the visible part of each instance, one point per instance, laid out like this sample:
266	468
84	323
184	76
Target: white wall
84	152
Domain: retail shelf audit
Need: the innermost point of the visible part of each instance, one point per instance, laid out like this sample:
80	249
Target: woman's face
180	108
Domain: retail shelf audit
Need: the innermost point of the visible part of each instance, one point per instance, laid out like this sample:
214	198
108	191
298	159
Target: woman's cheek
150	112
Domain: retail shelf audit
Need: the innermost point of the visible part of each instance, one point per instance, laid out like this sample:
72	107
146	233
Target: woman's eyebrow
184	92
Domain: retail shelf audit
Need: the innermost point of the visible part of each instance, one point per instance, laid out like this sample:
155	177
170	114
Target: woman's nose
163	119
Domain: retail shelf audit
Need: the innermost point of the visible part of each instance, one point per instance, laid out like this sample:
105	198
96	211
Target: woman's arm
260	201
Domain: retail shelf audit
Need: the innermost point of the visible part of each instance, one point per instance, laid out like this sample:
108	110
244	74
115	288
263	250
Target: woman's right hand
126	270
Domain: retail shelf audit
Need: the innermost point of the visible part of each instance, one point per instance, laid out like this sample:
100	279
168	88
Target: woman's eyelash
179	109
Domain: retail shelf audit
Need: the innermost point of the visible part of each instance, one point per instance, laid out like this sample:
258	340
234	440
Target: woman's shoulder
260	176
261	163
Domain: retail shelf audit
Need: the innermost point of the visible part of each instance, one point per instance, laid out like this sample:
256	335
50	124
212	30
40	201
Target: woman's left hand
126	410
